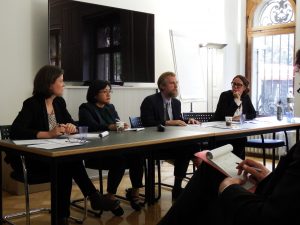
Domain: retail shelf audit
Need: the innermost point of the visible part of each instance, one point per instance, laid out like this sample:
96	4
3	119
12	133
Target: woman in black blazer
235	102
211	199
99	115
44	115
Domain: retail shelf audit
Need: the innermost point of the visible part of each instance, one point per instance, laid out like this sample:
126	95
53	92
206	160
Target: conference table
143	142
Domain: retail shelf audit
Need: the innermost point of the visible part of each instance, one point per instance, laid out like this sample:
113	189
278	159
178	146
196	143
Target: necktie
166	111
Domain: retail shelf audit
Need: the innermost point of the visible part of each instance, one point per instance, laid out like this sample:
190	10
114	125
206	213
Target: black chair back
5	131
135	122
202	117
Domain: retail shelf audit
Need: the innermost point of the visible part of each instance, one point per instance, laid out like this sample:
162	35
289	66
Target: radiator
280	135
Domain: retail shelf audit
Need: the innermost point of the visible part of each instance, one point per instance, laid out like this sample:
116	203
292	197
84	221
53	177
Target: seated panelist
100	115
44	115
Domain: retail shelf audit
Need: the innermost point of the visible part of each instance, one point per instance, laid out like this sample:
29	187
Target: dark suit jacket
152	110
277	198
33	117
227	107
89	116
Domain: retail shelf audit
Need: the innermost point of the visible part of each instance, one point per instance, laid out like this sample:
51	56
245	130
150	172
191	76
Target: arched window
270	51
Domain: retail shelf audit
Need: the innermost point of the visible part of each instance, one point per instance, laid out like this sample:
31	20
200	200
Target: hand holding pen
257	171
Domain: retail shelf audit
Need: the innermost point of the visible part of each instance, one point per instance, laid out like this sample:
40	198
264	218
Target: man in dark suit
164	109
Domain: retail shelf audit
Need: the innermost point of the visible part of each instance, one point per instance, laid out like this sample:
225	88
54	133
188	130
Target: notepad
225	161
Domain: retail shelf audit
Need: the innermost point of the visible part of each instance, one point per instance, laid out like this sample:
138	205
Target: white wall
23	44
24	40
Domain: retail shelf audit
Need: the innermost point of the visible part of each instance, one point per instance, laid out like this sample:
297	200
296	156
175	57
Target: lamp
210	46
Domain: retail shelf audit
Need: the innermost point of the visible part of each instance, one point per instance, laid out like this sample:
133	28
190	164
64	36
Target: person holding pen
100	115
211	198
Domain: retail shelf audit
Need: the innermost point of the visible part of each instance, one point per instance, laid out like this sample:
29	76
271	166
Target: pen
257	169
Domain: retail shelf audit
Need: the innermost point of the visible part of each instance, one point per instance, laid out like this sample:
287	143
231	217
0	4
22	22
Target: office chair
27	179
264	143
136	122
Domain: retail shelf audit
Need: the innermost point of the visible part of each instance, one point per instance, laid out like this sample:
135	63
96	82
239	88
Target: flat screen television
92	41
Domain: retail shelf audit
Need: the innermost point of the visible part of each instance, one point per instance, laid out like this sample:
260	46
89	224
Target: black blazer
227	106
276	200
152	110
33	117
90	116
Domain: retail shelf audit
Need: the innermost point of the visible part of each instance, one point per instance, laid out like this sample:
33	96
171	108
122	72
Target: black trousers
116	166
181	157
198	204
66	172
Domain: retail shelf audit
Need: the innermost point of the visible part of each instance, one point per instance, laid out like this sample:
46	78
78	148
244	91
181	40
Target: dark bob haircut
94	88
245	83
44	78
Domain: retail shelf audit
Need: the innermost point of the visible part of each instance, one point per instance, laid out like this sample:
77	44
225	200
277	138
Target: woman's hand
193	121
236	118
175	123
254	170
57	131
69	128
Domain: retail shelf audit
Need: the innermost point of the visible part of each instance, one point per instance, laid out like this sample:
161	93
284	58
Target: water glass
83	131
228	120
242	118
120	126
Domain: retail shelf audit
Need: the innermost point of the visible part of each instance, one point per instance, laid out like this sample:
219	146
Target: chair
264	143
27	179
136	122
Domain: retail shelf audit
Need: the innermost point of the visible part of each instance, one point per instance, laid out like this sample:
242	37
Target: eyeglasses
238	85
75	140
106	92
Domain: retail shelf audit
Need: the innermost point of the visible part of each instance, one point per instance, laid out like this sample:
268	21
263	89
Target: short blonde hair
162	79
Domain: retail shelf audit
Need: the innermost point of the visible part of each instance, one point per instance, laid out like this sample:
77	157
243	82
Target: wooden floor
148	216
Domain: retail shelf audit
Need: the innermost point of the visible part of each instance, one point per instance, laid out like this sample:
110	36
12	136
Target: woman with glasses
235	102
99	115
45	115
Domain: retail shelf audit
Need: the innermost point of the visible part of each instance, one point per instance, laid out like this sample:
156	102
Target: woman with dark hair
297	61
99	115
44	115
235	102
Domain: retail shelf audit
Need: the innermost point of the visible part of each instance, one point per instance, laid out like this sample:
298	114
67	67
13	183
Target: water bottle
279	111
290	108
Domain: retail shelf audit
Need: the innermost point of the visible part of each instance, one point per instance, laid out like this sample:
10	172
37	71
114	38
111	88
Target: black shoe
63	221
134	200
118	211
176	192
101	202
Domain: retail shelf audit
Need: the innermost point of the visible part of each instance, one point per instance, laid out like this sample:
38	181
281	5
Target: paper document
31	142
225	161
50	143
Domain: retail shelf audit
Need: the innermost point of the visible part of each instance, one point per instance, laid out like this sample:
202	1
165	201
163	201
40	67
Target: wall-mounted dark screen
98	42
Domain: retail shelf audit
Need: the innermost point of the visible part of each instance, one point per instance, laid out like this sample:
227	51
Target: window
108	53
270	52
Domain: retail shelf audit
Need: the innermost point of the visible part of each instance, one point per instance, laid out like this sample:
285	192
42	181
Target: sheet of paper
31	142
54	145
